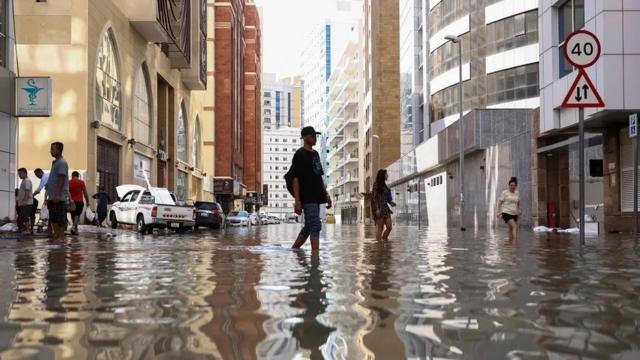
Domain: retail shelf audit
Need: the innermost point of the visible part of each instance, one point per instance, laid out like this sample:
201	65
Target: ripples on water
243	294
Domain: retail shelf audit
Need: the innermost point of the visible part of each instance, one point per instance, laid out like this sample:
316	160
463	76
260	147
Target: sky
285	25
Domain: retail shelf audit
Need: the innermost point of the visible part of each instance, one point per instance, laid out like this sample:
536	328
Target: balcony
166	22
195	77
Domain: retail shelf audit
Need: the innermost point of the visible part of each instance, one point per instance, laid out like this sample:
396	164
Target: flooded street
243	294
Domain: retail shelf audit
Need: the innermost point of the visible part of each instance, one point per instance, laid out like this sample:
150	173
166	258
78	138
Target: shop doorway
108	167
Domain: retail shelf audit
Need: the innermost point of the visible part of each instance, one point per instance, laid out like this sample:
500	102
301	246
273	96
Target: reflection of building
8	136
608	153
279	146
380	83
342	135
281	101
237	99
130	82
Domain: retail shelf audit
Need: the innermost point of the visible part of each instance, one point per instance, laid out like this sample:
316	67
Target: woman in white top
509	207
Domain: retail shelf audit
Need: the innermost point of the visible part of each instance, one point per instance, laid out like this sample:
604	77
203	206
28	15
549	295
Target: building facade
280	144
343	139
129	95
281	102
379	128
8	123
608	154
237	102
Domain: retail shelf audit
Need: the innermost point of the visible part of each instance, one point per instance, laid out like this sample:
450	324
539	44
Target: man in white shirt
25	201
44	178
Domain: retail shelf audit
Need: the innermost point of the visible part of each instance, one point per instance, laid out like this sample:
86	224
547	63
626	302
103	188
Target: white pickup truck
150	208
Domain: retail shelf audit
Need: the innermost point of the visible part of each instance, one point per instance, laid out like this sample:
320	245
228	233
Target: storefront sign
141	167
33	96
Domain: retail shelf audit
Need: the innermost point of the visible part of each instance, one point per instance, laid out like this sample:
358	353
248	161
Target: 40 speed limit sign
582	48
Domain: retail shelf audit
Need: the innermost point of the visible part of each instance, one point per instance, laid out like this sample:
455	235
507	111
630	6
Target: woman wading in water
381	199
509	207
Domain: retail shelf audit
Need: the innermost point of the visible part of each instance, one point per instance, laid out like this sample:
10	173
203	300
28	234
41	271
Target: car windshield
207	206
243	214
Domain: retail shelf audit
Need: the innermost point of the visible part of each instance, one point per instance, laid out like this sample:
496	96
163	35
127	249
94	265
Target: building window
108	94
181	186
142	125
570	19
181	134
196	145
3	33
267	94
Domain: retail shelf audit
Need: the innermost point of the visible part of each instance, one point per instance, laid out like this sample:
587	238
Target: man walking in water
57	192
308	189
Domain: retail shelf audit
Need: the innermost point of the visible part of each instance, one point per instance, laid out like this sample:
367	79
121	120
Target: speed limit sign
582	48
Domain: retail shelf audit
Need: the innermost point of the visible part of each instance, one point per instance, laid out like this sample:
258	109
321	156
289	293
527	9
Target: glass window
3	33
570	19
141	108
108	94
181	134
181	186
195	145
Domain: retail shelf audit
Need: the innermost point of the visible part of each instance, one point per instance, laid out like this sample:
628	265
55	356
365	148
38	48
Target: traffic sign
582	48
633	125
582	94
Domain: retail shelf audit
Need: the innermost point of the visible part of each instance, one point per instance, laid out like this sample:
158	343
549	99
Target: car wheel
140	225
113	220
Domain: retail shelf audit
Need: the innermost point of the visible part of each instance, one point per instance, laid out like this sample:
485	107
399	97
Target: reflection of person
103	202
25	202
310	333
380	201
308	189
79	196
57	191
509	207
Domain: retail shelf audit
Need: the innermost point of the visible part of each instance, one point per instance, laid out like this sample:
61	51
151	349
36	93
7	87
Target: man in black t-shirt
308	189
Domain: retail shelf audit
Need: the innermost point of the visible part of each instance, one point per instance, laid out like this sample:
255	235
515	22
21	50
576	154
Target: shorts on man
57	212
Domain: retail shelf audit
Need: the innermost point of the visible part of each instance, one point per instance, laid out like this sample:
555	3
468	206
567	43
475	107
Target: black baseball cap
308	130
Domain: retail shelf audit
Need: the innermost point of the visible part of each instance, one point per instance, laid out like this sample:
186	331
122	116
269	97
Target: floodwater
242	294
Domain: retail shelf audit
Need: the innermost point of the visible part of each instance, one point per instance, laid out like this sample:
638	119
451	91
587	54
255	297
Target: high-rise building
499	56
608	147
342	134
8	123
129	92
280	144
380	91
237	102
281	101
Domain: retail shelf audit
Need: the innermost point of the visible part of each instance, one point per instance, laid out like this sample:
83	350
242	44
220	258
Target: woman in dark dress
380	201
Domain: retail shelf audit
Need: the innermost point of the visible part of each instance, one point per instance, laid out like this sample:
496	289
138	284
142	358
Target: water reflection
243	294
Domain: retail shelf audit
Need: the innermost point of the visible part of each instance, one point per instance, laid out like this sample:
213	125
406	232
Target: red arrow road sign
583	94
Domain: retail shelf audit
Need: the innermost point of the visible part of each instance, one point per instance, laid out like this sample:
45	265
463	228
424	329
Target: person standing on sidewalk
380	201
509	207
308	189
25	202
79	195
57	191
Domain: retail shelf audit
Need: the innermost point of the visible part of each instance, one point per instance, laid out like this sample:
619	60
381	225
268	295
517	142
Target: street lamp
456	40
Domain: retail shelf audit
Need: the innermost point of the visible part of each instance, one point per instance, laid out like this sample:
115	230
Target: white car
238	218
150	208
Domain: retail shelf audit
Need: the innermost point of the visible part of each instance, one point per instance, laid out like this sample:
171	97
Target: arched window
142	124
108	94
195	145
181	135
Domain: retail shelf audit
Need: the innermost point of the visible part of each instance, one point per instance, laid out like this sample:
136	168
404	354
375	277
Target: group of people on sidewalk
309	191
61	196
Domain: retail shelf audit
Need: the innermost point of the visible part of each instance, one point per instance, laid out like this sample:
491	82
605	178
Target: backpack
288	178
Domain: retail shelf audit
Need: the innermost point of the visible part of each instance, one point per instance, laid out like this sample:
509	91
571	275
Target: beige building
130	84
380	81
343	139
281	101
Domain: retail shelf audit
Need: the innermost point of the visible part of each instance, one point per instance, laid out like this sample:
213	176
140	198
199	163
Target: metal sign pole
582	177
635	188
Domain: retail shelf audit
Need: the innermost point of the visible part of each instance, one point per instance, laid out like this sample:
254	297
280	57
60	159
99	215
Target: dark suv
209	214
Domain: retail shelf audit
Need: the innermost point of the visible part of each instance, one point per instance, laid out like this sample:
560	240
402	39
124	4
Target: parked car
150	209
209	214
274	220
264	219
292	218
255	220
238	218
